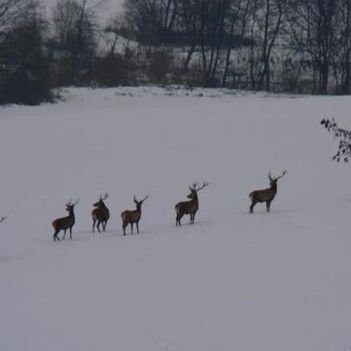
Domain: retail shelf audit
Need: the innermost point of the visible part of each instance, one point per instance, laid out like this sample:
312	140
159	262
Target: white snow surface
278	281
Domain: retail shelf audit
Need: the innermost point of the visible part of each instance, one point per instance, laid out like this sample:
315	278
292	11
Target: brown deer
132	216
265	195
100	214
65	223
189	207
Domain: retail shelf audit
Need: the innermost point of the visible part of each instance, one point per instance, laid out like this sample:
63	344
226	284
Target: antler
204	185
75	203
195	186
145	198
282	175
103	197
273	179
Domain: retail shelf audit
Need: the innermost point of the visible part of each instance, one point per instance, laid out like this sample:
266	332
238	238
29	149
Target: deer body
100	214
132	216
189	207
65	223
265	195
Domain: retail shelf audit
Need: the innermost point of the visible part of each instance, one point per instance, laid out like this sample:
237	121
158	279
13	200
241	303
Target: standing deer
132	216
265	195
100	214
65	223
189	207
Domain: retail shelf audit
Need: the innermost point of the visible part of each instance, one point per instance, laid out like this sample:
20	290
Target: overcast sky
110	7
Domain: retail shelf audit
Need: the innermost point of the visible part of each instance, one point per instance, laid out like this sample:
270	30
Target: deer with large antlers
100	214
265	195
189	207
132	216
65	223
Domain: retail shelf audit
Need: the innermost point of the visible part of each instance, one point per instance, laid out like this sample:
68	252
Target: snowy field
231	282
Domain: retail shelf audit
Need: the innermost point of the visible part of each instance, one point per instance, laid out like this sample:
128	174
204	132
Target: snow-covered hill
233	281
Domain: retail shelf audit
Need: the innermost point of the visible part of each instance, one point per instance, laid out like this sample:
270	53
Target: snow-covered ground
233	281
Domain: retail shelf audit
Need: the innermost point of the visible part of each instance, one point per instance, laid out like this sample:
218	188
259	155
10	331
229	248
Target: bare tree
192	20
10	11
237	25
212	37
343	53
74	24
24	66
150	20
312	32
209	27
114	29
265	26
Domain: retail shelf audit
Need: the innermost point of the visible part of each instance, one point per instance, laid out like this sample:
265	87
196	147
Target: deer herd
101	214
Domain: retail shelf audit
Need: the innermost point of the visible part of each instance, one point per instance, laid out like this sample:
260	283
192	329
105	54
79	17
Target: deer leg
268	206
55	236
131	227
124	228
137	226
98	226
64	234
252	206
193	218
70	233
94	221
178	218
104	226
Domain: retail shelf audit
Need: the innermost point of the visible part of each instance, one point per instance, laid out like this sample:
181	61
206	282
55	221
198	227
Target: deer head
195	188
138	203
273	181
70	205
101	200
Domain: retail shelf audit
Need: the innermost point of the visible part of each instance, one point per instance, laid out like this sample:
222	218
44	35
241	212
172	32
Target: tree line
292	46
